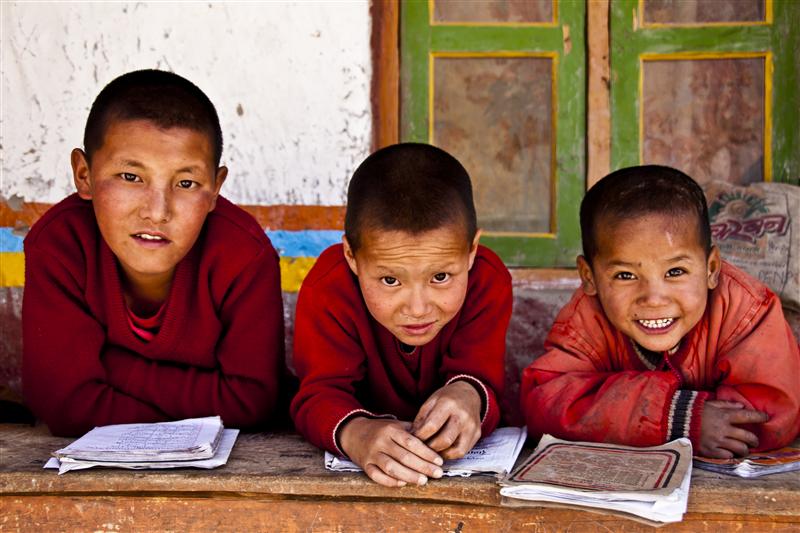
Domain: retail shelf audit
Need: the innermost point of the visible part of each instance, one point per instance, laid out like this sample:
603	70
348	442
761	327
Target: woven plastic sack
757	228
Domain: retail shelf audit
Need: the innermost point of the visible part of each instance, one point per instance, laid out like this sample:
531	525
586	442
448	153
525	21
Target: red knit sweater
219	350
348	363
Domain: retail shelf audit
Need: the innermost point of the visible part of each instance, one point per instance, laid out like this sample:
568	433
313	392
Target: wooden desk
278	483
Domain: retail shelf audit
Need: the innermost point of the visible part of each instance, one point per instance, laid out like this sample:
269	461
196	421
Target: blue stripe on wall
10	242
306	243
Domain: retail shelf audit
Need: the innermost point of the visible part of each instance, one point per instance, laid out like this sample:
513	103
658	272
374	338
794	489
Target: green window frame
775	39
561	39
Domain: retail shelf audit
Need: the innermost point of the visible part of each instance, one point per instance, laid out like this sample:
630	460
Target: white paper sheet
220	458
193	438
495	454
669	508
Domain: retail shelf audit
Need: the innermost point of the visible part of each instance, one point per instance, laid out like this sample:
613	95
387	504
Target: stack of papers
194	442
495	454
754	465
652	483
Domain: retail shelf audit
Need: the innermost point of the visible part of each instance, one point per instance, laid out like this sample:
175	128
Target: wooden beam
255	512
599	103
385	94
277	481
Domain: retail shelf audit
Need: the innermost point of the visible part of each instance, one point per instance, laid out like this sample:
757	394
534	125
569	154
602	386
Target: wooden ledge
279	479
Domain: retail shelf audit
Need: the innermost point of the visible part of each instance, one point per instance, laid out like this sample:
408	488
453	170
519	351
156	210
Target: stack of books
754	465
194	442
650	483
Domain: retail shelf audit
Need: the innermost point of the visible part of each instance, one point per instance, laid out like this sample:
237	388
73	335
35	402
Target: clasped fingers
389	454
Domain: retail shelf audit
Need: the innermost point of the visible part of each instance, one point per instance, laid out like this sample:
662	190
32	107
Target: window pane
493	11
706	117
700	11
495	115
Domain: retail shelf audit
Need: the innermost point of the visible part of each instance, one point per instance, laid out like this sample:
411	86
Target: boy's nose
157	205
418	304
653	294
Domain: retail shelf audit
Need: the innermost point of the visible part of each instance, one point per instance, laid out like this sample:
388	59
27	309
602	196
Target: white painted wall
290	81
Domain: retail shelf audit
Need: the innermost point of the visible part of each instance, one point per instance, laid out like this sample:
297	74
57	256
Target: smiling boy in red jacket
400	331
148	296
664	339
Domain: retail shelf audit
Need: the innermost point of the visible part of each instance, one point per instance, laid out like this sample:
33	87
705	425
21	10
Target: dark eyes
675	272
133	178
671	273
389	281
441	277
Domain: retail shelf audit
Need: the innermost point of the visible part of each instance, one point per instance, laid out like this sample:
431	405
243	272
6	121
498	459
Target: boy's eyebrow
619	262
133	163
388	270
191	169
438	268
679	258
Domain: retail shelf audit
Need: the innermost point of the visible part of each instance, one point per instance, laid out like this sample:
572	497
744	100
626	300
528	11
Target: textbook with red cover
754	465
648	482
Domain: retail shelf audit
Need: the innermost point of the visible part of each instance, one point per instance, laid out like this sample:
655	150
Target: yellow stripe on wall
293	270
12	269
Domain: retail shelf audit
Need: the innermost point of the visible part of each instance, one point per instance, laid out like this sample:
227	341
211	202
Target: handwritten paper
220	458
494	454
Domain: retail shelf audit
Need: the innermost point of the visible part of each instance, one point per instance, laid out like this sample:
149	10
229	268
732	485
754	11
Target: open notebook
495	454
194	442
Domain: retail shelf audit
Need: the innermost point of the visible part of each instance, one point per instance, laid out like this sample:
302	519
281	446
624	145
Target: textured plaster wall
290	81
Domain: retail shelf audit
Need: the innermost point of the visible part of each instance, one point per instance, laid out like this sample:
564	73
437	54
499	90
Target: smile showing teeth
148	237
657	323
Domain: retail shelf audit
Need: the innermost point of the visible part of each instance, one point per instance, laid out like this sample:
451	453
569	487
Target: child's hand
450	420
719	435
388	453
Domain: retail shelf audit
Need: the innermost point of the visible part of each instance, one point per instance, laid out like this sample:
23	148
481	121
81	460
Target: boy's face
151	190
413	284
652	277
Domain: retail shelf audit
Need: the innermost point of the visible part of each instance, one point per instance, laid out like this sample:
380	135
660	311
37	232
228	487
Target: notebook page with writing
193	438
220	458
494	454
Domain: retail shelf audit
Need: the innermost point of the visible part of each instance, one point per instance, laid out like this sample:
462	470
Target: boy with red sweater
663	340
400	330
148	296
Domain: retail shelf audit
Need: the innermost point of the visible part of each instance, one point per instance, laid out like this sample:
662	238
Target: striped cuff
684	415
346	418
480	387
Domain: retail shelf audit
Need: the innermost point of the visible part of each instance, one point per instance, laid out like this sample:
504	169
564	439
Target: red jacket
219	350
348	363
592	384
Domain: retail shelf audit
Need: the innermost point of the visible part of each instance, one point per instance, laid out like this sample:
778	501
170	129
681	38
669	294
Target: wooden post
385	93
598	105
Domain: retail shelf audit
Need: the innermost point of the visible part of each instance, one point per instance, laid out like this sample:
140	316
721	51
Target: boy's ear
219	179
349	256
587	277
80	174
473	249
714	267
